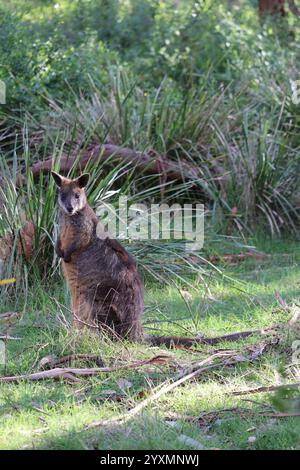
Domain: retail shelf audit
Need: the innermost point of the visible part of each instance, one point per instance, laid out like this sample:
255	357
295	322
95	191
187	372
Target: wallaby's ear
82	180
57	178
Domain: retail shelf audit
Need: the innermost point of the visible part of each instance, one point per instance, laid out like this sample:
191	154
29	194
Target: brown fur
105	286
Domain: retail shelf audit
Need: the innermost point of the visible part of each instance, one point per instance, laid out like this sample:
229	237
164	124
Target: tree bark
271	7
276	7
150	162
293	8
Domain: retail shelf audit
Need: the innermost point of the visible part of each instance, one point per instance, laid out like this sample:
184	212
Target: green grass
52	415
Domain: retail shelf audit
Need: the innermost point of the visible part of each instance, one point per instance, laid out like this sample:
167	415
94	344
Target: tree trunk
271	7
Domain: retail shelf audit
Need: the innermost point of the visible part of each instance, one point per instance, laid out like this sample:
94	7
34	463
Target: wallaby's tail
170	341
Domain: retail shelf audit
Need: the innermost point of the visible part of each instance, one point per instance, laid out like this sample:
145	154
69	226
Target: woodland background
160	100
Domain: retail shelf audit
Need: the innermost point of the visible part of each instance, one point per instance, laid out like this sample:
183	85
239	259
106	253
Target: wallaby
105	286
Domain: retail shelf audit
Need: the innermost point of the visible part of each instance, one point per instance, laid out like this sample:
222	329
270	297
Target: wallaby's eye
77	196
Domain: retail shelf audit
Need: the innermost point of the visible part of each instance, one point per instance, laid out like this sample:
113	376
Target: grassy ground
50	414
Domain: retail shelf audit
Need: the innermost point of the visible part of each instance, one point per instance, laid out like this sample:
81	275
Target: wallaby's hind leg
82	313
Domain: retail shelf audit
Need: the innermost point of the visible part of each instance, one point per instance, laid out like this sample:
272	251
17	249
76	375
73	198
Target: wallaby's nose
70	209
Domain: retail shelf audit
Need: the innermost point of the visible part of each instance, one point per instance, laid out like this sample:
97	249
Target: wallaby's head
72	197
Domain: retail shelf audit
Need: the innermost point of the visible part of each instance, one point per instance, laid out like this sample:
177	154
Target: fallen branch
9	317
269	388
150	161
209	416
235	336
287	414
170	341
5	337
295	317
71	374
233	259
50	362
294	309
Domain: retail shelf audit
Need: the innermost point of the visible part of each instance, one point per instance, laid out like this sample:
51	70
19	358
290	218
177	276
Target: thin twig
4	337
70	373
269	388
52	362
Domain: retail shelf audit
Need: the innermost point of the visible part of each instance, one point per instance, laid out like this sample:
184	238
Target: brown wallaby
105	286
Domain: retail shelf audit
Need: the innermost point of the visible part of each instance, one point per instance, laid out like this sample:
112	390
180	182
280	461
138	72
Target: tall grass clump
245	157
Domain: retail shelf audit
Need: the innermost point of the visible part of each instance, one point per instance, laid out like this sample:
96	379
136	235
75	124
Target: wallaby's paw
59	251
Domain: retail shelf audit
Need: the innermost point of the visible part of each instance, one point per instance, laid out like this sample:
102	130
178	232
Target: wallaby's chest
76	231
68	235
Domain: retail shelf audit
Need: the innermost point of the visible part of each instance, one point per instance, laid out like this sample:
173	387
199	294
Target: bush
33	69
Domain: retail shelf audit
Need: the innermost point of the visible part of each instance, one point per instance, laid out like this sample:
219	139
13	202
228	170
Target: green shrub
33	69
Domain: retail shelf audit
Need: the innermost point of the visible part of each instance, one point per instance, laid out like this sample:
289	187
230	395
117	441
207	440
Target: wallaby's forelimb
69	251
58	249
